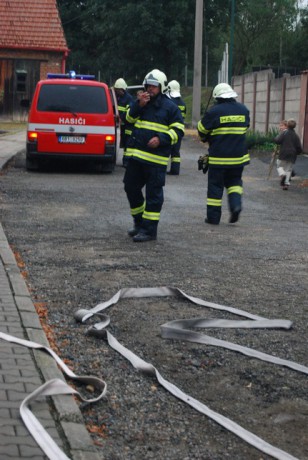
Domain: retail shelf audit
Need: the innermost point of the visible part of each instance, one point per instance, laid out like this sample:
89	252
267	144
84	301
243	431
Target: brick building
32	43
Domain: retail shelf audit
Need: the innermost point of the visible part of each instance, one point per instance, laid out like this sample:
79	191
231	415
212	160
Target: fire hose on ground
177	330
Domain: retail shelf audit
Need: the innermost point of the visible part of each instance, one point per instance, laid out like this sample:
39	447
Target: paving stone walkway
22	370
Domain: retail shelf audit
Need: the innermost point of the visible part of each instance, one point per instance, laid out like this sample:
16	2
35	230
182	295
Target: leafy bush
257	140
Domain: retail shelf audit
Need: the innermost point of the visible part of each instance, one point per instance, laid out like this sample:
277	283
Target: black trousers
175	158
145	210
218	179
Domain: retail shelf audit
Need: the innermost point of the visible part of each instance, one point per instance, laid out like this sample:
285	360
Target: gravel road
68	224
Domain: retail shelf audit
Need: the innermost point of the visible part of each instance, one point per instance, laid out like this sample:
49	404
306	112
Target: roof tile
31	24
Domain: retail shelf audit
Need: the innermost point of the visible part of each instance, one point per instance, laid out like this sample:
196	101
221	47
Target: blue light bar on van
71	74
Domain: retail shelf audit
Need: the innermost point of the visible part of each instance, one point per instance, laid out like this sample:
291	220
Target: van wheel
32	165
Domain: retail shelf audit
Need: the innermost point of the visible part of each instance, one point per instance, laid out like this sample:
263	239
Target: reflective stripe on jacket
181	105
224	127
161	118
124	102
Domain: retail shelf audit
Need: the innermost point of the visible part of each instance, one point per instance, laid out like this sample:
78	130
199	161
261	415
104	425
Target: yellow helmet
224	91
120	84
156	78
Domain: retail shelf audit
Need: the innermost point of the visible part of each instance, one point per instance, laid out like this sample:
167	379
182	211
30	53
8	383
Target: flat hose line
171	330
51	388
176	330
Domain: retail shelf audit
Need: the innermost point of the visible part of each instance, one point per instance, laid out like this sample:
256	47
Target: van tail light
110	139
32	136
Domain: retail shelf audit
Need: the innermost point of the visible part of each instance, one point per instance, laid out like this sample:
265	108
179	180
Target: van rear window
72	98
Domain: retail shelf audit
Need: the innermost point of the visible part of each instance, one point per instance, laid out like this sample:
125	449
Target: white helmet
120	84
174	88
224	91
156	78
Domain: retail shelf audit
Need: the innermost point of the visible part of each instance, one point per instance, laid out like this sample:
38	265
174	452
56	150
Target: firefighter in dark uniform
158	124
124	100
175	95
224	127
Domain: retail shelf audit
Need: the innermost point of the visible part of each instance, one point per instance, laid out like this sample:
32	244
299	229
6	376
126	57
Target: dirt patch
303	184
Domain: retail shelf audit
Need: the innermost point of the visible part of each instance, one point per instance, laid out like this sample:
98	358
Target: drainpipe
303	111
254	101
283	97
268	102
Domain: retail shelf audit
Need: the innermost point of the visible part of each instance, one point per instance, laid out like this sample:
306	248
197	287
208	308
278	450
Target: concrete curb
68	414
10	146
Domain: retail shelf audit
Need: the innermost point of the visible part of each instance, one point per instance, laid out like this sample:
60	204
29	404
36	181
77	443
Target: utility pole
231	41
206	65
196	103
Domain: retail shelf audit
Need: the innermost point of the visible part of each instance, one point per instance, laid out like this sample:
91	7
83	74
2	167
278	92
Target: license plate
72	139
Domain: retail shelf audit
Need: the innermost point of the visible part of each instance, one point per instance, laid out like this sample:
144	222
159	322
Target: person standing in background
174	93
124	100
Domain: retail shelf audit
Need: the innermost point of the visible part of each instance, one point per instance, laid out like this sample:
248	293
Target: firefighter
174	93
224	127
124	100
158	124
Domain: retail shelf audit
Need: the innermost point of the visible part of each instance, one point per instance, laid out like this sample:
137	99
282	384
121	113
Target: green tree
116	38
260	28
129	38
294	43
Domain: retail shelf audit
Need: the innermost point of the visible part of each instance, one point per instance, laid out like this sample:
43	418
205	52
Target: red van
73	116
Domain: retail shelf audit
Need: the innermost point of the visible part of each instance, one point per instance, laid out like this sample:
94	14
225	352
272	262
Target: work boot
136	228
143	236
282	180
235	215
207	221
133	231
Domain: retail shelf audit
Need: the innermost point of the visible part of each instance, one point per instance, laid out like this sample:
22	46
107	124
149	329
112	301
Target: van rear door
117	122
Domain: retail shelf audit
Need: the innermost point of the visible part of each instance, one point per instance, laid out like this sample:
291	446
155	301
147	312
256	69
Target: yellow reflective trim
213	202
228	161
230	130
139	210
183	110
233	119
142	124
129	118
177	125
235	189
201	128
174	136
175	160
151	215
128	131
152	158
